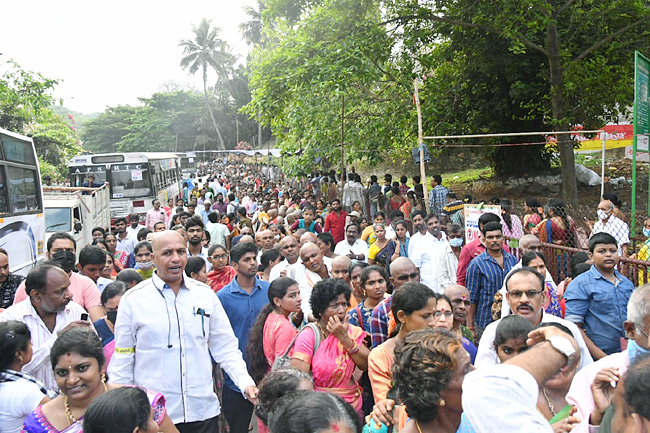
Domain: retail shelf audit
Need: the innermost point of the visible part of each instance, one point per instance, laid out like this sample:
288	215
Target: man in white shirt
134	225
47	312
194	232
315	270
424	252
290	251
219	233
525	296
352	246
167	328
608	223
124	242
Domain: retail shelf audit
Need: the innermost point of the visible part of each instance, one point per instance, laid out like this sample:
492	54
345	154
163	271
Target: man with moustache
167	329
8	282
424	251
289	249
335	221
525	296
48	312
315	270
402	271
485	276
61	248
194	232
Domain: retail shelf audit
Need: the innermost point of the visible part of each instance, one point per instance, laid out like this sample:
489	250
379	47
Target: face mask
602	214
646	232
456	242
277	237
66	259
145	265
111	316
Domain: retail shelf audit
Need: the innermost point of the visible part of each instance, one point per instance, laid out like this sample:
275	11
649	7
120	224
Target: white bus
135	179
22	224
189	162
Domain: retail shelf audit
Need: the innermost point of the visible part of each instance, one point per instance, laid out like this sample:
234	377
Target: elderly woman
79	367
333	349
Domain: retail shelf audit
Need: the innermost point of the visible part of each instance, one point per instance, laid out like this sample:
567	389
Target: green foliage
332	69
24	101
170	121
24	97
486	67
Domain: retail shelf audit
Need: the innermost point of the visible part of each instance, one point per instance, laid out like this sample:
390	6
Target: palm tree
207	51
252	29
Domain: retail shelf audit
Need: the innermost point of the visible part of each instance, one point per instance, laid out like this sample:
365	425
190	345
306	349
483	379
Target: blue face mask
456	242
646	232
634	350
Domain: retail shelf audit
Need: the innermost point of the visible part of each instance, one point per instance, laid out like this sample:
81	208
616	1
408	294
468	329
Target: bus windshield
130	182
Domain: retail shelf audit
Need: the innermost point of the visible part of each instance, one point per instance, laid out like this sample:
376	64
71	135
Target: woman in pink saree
332	349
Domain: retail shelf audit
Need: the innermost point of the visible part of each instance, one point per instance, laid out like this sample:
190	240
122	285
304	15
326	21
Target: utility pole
342	145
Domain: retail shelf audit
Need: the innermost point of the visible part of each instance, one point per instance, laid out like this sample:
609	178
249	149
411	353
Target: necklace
548	402
417	424
68	413
321	330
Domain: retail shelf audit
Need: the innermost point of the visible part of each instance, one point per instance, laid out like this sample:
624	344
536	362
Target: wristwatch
564	346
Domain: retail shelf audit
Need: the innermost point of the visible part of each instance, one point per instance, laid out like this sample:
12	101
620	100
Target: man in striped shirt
485	275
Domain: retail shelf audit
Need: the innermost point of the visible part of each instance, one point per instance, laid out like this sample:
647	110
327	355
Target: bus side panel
23	237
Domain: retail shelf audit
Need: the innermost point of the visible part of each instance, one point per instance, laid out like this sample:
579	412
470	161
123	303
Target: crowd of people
255	294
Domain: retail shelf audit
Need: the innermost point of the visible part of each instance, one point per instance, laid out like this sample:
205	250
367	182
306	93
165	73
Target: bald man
315	270
527	244
341	268
177	323
290	250
402	270
609	223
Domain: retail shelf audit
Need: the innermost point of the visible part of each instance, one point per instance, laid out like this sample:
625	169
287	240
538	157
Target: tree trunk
567	159
207	101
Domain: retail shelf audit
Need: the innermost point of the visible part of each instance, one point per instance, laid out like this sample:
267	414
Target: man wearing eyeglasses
527	243
525	296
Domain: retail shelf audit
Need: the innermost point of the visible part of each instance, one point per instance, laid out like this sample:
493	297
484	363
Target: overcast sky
110	53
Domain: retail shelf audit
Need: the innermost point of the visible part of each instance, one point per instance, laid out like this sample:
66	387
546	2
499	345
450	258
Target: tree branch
605	40
521	38
565	6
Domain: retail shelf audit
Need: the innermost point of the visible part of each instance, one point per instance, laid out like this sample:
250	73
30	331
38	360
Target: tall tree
252	29
208	51
586	47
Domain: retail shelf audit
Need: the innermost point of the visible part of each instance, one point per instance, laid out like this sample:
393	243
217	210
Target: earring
442	402
103	377
21	358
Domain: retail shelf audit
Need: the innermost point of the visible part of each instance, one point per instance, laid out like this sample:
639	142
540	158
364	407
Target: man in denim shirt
596	300
242	300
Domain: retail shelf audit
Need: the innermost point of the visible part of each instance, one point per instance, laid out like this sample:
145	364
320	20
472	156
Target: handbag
284	360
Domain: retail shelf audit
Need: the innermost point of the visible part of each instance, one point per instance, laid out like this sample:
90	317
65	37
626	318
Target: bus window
18	151
23	185
130	181
3	192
